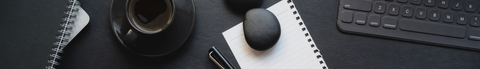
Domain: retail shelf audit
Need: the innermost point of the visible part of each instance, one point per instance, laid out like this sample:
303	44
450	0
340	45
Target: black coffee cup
147	17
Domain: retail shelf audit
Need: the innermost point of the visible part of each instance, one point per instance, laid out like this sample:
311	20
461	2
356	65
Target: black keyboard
453	23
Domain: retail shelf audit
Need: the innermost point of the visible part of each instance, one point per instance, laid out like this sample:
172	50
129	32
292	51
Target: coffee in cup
147	17
150	16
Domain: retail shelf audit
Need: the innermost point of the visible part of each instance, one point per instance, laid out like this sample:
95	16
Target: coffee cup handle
132	37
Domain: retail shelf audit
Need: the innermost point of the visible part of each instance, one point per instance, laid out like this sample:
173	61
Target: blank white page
294	50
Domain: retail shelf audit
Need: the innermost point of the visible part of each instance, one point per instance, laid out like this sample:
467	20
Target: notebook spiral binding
62	41
307	35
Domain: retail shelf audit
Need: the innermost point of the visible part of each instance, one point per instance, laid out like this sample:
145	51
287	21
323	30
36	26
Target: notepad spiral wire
307	35
64	31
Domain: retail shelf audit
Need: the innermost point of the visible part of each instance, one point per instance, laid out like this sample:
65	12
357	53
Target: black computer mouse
243	5
261	29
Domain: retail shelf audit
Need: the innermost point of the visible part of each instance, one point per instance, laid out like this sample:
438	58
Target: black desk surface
97	48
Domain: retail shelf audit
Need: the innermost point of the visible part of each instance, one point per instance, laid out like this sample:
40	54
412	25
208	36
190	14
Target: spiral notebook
294	50
34	32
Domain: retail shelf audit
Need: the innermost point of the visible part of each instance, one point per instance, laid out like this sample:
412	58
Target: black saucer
163	42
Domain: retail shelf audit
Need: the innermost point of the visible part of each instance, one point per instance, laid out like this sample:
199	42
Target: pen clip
218	59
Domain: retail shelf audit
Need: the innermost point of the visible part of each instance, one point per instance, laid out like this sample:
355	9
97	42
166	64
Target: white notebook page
292	51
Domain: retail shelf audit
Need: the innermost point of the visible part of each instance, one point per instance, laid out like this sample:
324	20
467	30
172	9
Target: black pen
218	59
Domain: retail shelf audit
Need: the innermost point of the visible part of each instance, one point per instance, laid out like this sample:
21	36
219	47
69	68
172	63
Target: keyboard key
389	22
379	7
432	28
402	1
429	3
374	20
357	5
470	6
346	16
416	2
442	3
474	34
407	11
393	9
434	15
457	4
461	18
420	13
448	17
360	18
474	21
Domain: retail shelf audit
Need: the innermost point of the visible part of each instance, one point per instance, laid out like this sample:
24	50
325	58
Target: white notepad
294	50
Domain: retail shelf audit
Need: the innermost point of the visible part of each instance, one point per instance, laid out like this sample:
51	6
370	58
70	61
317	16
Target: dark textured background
96	47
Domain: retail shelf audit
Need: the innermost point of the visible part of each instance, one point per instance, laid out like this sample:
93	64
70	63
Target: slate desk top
97	48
